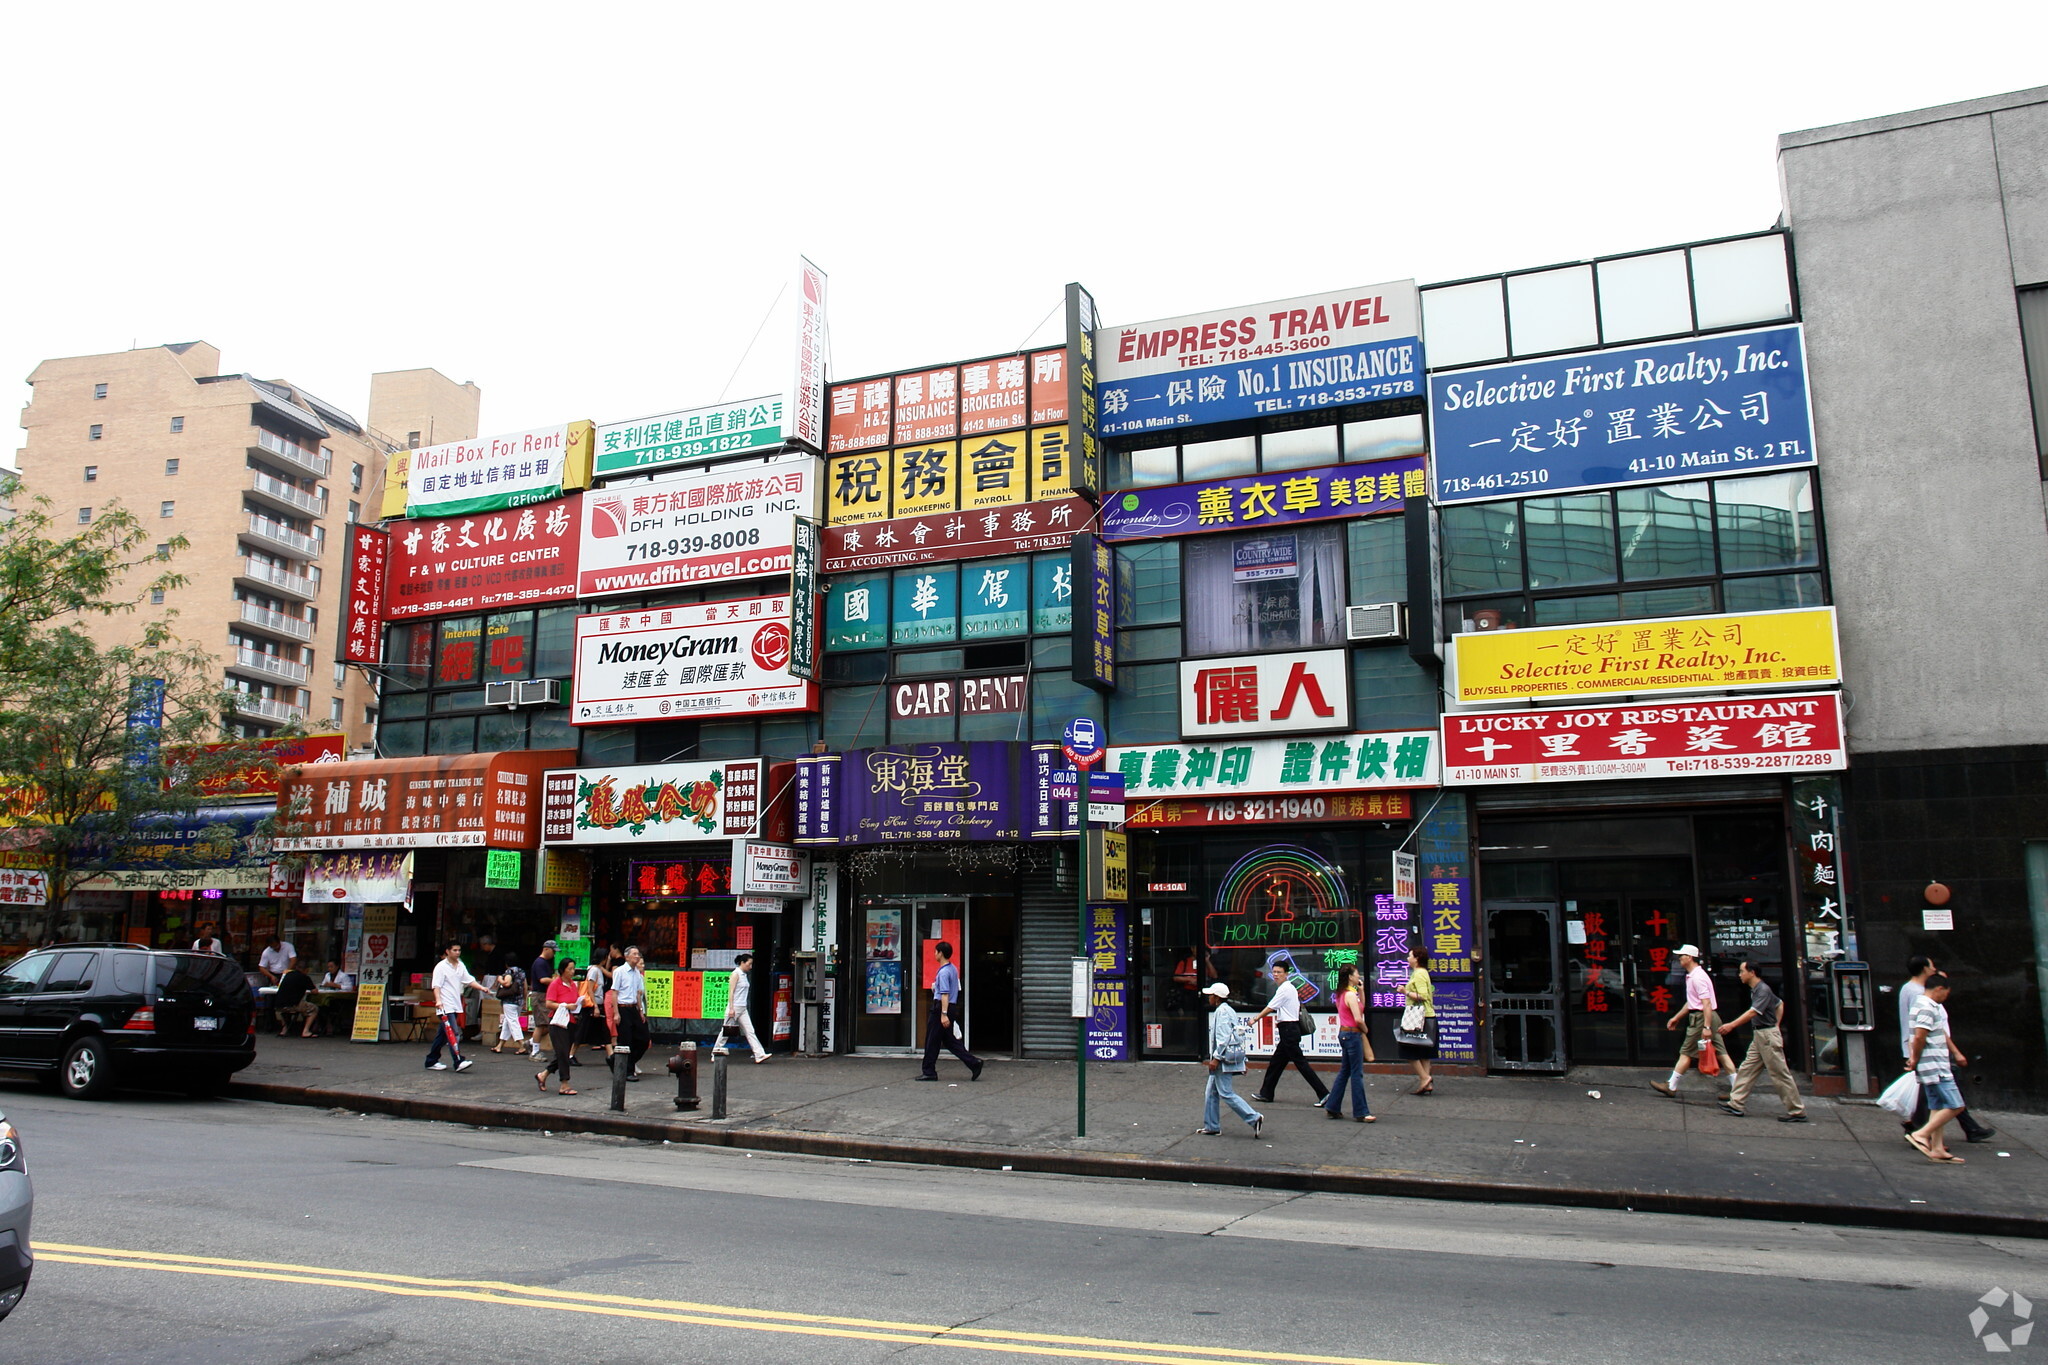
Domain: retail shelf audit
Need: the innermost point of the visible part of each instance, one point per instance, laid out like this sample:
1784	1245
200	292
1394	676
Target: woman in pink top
563	993
1352	1045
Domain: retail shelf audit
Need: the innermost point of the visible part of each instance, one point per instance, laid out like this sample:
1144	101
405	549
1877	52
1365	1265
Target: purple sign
1442	848
1051	795
927	792
1109	1026
1108	935
1094	579
1457	1021
1257	501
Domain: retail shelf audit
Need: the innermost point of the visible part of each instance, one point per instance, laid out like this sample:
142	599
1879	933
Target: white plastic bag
1902	1096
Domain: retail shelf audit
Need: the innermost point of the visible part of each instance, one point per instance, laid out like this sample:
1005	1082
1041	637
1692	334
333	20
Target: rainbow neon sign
1284	896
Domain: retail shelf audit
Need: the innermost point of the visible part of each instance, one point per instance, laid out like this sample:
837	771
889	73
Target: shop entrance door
1524	986
899	938
1624	921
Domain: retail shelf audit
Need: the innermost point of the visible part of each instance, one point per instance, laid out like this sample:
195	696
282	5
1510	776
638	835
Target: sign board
1295	355
771	869
759	905
563	871
358	879
1280	767
362	620
1735	652
442	801
1257	501
1229	811
1002	694
1734	403
1265	694
806	398
20	887
803	597
689	437
1084	392
1083	742
495	473
1045	525
1794	733
705	802
698	662
486	562
1094	583
1109	865
1080	987
1404	877
503	869
695	527
368	1025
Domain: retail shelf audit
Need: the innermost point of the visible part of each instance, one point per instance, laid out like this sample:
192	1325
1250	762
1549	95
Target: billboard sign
1279	767
1256	501
1735	403
705	802
956	535
494	473
692	435
1296	355
705	661
806	405
1795	733
1265	694
484	562
362	620
695	527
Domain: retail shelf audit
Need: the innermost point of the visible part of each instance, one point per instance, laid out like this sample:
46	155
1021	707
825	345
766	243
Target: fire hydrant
684	1065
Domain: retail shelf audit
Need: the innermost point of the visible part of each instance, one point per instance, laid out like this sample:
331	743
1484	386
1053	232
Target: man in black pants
1285	1007
938	1021
628	1000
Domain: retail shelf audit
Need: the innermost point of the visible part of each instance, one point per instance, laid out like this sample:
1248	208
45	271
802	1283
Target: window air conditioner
1380	621
501	694
539	691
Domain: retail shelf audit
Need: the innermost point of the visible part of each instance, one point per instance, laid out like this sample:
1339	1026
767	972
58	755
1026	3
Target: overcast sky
588	210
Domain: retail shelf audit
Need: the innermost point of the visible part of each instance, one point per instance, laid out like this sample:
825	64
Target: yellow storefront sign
369	1020
1738	652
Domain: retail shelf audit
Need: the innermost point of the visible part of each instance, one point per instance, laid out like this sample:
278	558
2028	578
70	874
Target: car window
131	973
24	976
72	972
180	972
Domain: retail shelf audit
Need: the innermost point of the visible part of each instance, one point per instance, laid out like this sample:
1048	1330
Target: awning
441	801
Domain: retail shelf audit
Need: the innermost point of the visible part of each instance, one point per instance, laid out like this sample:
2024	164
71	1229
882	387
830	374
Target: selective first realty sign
1297	355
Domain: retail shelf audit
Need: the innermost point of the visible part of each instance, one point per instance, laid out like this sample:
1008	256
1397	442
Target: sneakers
437	1066
1728	1108
1257	1124
465	1064
1208	1132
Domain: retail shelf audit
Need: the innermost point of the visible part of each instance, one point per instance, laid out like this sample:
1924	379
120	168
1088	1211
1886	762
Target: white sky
587	209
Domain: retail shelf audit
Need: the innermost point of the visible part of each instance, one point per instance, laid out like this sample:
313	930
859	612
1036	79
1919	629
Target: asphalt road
171	1230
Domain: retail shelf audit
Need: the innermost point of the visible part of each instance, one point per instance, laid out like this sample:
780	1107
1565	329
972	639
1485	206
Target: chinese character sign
483	562
1728	404
689	528
362	627
1817	857
495	473
1322	351
806	397
673	438
920	792
1570	744
955	535
1746	652
1280	767
1255	694
1446	912
1094	571
705	659
1257	501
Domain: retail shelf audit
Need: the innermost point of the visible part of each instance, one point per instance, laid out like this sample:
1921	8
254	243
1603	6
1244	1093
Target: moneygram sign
710	660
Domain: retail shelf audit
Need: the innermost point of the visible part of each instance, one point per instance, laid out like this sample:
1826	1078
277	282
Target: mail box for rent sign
1796	733
1738	652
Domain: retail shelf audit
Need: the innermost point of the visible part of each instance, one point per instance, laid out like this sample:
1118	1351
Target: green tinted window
1481	548
1666	532
1571	540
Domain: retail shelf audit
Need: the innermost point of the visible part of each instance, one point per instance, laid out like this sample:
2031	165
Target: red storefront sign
362	627
255	780
1797	733
445	801
485	562
1266	810
936	536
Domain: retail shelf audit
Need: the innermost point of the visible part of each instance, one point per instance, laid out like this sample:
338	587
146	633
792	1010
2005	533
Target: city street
176	1230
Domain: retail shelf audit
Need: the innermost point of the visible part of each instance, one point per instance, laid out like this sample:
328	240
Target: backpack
1230	1046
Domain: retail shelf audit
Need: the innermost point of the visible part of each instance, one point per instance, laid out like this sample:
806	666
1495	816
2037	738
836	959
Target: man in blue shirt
938	1021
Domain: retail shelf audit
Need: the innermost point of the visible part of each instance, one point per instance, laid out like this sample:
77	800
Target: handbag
1412	1020
1902	1096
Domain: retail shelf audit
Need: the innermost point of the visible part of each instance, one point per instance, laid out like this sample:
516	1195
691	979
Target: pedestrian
940	1028
739	988
1420	992
596	981
1225	1058
1700	1018
510	989
1917	972
563	995
1766	1018
1352	1045
1285	1007
451	979
627	1012
1933	1056
275	958
539	977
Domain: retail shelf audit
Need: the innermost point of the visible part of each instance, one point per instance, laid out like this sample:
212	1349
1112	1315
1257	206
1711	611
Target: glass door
941	921
1622	931
899	950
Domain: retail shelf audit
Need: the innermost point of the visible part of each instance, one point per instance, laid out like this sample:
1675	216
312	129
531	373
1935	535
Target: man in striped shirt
1933	1055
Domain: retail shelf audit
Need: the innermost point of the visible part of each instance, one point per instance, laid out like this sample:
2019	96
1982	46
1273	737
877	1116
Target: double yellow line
501	1293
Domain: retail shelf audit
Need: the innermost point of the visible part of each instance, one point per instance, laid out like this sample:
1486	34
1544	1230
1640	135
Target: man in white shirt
451	979
207	942
276	959
738	988
1285	1007
626	1007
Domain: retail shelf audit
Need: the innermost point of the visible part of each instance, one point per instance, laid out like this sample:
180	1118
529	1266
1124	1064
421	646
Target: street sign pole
1083	748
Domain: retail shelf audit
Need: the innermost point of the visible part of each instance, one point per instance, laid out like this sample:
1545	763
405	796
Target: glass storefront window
1218	459
1644	296
409	652
1771	592
1152	573
1155	466
508	646
497	731
1742	281
1481	548
550	729
1056	699
727	739
460	653
1134	645
1570	539
995	599
855	717
1552	310
1384	438
857	612
452	735
1667	531
1563	611
1379	560
1391	691
554	644
1052	593
401	738
925	605
931	661
603	745
1694	601
1283	590
1465	323
788	736
1766	521
1145	708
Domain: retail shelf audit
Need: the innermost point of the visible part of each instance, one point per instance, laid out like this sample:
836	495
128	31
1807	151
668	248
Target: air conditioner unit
501	694
540	691
1380	621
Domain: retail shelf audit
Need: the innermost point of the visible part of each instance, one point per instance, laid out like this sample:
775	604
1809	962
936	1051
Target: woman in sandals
563	995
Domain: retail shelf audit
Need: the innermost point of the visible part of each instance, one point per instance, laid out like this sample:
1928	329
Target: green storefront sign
693	434
502	868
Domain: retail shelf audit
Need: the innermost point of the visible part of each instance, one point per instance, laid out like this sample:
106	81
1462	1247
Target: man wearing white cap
1224	1058
1702	1024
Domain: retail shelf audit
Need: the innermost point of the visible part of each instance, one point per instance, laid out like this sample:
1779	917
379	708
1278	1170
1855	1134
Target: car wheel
87	1070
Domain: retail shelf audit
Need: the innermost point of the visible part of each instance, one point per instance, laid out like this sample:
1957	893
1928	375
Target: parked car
17	1203
87	1016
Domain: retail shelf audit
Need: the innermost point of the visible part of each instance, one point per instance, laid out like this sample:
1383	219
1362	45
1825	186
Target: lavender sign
929	791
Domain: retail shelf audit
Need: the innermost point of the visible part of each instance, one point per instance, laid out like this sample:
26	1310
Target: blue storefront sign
1254	502
1297	355
995	593
1729	404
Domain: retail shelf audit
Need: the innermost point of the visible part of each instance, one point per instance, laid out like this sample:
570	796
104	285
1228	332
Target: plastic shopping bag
1902	1096
1710	1056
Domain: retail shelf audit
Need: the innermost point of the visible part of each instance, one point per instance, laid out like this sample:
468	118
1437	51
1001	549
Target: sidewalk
1502	1138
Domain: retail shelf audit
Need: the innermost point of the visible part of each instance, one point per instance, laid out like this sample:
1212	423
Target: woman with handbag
1352	1045
562	998
1417	1033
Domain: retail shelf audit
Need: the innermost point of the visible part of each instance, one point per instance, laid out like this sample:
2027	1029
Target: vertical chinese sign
1823	912
1094	581
1443	847
363	618
803	602
1087	455
804	412
1109	1023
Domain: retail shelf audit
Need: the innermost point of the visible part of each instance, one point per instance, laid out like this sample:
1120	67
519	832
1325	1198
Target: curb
1306	1180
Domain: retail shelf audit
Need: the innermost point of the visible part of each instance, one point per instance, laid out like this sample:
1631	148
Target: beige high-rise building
262	479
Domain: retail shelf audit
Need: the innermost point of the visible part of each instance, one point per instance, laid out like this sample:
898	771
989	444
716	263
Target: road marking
506	1294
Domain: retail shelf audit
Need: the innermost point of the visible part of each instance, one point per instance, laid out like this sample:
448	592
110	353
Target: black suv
87	1016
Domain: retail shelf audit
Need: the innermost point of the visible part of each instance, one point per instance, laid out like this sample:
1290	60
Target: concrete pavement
1599	1137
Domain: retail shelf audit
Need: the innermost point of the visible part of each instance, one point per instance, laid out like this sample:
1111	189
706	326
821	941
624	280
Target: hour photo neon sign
1284	896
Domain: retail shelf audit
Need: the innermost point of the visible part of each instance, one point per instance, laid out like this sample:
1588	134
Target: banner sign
1729	404
260	777
1295	355
362	618
1109	1019
1801	732
18	887
771	869
1266	810
442	801
1261	500
694	434
668	803
1734	652
807	381
1094	575
923	792
484	563
1085	396
1280	767
710	660
815	799
955	535
695	527
360	878
494	473
1265	694
803	594
250	879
